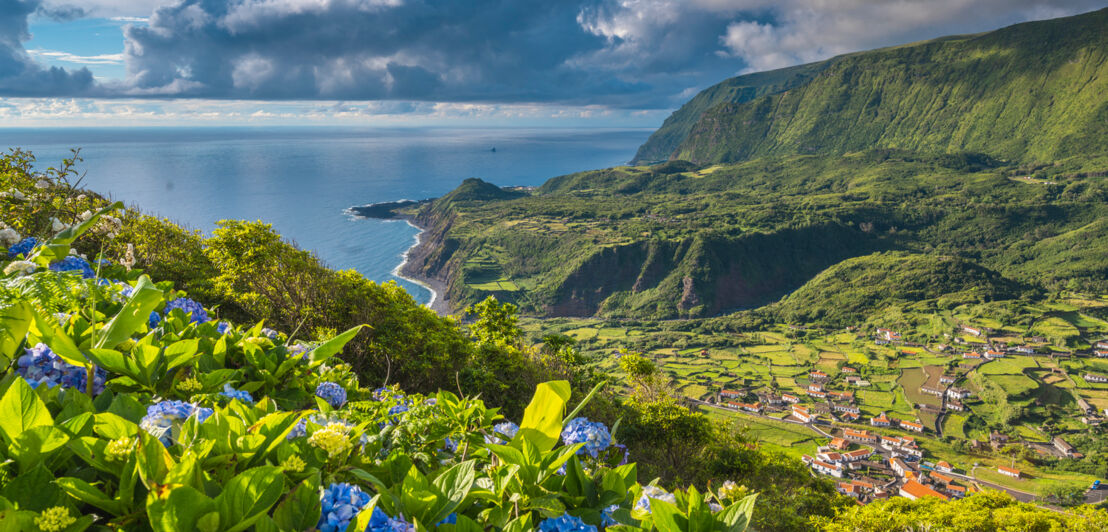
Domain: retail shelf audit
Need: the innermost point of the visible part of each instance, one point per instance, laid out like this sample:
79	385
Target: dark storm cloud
19	74
638	54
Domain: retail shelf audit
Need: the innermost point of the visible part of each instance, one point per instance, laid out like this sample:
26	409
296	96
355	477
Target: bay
301	180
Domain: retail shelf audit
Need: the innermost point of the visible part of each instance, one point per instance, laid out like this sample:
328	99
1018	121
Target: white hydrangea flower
9	236
42	183
56	225
22	266
85	215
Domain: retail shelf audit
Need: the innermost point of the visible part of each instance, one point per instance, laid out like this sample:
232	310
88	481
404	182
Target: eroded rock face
689	299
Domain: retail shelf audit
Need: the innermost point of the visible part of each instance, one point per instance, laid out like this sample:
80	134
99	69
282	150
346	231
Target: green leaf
542	420
736	517
60	343
179	353
332	347
21	409
667	517
595	389
34	445
181	509
301	509
134	314
153	461
57	248
89	494
249	495
15	321
454	484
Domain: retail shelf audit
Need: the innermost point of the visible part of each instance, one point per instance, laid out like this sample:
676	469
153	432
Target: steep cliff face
1030	92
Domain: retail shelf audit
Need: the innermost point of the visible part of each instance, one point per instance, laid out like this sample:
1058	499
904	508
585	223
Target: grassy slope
1033	91
665	140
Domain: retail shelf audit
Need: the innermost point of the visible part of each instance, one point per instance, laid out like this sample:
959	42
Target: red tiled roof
918	490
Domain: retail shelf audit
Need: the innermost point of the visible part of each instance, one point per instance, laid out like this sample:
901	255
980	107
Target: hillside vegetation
1029	92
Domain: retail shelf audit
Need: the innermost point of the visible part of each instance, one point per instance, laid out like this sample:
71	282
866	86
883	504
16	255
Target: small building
972	330
1093	377
850	417
1101	353
822	467
1085	406
1063	447
1024	350
839	443
854	456
789	398
944	466
815	387
1103	344
817	394
932	389
957	393
992	353
880	421
1008	471
899	466
863	436
956	491
848	370
817	376
802	413
841	396
914	490
945	479
844	407
947	378
731	394
955	406
911	425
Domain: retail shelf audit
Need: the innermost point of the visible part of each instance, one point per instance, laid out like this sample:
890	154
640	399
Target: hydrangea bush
110	420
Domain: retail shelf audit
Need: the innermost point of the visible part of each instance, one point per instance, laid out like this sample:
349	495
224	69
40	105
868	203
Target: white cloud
66	57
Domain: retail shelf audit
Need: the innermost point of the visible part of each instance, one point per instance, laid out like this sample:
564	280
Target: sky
532	63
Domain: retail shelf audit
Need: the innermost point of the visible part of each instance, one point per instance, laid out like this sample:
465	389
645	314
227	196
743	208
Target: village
869	465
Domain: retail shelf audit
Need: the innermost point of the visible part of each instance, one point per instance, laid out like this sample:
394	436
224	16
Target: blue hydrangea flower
506	428
565	523
41	366
73	264
23	247
595	436
397	410
270	333
653	492
223	327
341	503
331	392
125	289
188	306
155	319
229	391
607	518
449	445
451	519
163	420
379	521
431	401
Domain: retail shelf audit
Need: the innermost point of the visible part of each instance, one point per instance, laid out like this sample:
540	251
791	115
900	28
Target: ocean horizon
302	179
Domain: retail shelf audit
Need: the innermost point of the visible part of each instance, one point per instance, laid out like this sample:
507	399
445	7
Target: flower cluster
334	439
22	266
188	306
55	519
231	392
163	420
223	327
119	450
565	523
334	394
39	365
73	264
270	333
341	504
732	491
595	436
23	247
506	428
653	492
379	521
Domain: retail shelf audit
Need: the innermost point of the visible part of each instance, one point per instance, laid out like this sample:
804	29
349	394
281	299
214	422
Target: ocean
302	179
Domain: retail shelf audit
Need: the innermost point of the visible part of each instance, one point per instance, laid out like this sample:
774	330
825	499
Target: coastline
438	302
